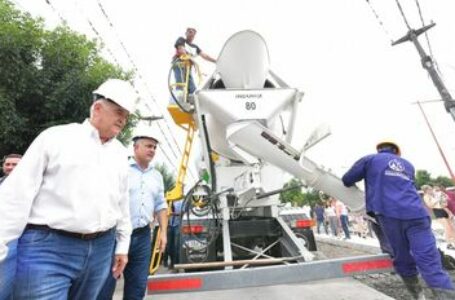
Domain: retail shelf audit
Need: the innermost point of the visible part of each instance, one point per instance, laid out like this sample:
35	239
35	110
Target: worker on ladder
186	49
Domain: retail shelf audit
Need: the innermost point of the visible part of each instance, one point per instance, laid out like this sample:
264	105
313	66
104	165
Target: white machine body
249	114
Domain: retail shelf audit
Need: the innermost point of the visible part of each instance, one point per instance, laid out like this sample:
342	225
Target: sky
335	51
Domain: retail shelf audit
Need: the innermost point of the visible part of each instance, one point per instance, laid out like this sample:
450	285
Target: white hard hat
119	91
145	134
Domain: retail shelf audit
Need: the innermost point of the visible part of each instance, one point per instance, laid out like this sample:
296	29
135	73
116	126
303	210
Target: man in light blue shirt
147	203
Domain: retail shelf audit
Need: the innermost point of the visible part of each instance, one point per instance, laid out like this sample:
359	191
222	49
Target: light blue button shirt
146	191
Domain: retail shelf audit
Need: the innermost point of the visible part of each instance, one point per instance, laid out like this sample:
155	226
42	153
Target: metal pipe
437	142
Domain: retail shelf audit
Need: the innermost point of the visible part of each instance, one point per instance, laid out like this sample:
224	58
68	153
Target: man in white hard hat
67	202
147	203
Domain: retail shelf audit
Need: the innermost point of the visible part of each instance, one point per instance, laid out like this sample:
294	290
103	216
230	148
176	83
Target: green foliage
168	177
443	181
46	78
296	196
424	177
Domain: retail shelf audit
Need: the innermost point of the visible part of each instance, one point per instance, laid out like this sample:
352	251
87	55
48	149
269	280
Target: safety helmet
145	133
388	144
191	27
119	91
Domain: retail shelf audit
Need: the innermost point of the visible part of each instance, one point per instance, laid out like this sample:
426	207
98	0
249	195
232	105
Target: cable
56	12
64	21
427	37
380	21
403	15
136	69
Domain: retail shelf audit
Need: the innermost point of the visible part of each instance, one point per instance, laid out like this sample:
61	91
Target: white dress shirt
69	180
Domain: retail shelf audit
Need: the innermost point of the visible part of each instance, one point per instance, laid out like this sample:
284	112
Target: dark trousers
414	248
136	270
345	225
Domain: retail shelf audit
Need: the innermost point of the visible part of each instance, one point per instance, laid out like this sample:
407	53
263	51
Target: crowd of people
332	214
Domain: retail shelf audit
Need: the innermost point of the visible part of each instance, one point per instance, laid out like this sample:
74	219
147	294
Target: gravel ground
389	284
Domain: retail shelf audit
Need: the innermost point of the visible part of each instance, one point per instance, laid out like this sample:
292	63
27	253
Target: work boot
443	294
414	288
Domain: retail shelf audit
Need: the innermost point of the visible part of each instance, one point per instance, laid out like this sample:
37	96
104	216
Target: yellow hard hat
388	143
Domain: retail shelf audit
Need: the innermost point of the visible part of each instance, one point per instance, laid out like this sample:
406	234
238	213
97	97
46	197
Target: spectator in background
320	218
343	218
450	201
8	268
10	161
331	215
436	200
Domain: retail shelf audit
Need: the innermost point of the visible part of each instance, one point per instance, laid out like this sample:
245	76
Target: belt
141	229
80	236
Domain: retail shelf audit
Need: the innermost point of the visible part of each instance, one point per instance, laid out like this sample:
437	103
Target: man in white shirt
147	203
67	202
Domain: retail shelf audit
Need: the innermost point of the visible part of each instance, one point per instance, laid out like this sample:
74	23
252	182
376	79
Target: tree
168	177
294	195
422	177
443	181
46	77
311	197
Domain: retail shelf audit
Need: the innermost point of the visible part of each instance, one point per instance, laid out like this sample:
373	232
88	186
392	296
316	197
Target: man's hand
162	242
120	261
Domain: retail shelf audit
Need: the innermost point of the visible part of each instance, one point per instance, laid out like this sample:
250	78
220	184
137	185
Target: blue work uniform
391	196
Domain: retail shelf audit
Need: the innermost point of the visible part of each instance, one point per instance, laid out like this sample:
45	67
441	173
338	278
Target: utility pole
436	141
427	64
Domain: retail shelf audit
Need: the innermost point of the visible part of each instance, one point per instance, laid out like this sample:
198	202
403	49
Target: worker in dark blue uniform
391	197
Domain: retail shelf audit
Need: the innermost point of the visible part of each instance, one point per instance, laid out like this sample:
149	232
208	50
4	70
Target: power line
376	15
56	12
111	24
427	36
171	161
92	26
403	15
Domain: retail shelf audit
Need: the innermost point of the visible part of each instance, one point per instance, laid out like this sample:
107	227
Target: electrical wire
402	14
427	37
136	69
56	12
376	15
64	21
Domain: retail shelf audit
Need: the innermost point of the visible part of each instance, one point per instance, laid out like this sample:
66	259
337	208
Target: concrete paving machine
245	115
